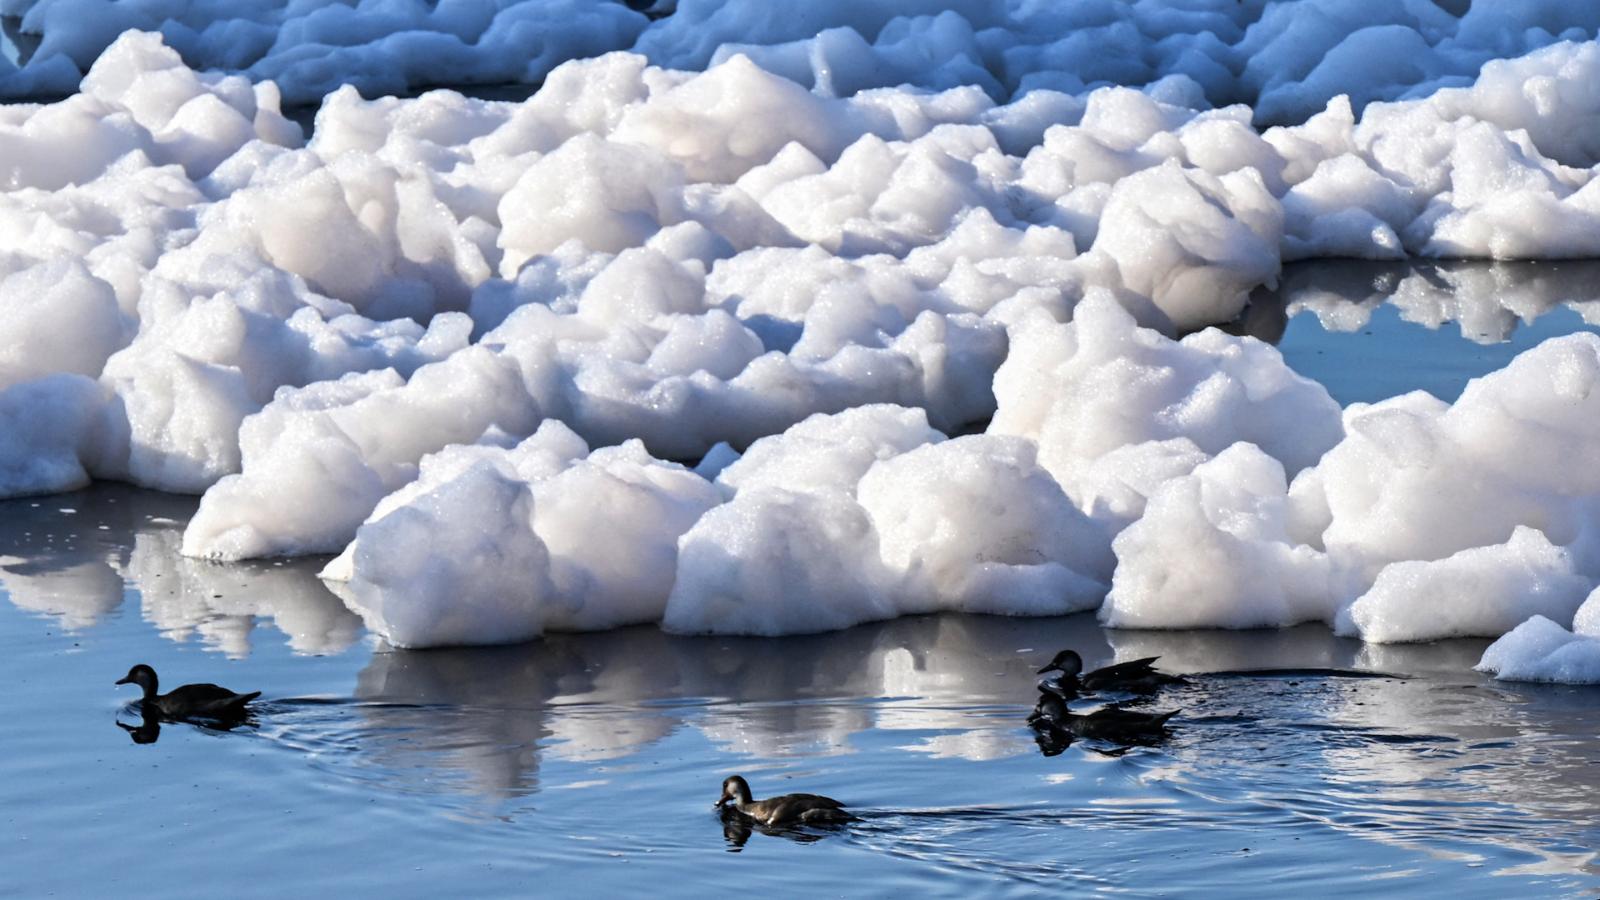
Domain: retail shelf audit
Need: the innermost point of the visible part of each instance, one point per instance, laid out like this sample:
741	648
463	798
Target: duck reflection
737	829
147	730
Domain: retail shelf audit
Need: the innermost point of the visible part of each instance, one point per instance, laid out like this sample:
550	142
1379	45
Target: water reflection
737	829
489	714
148	727
74	557
1487	300
1395	757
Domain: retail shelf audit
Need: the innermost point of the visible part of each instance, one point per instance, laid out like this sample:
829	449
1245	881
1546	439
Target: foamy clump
829	452
655	272
1483	591
318	459
47	427
1213	550
492	545
974	524
775	562
1542	650
1426	521
1099	384
1417	479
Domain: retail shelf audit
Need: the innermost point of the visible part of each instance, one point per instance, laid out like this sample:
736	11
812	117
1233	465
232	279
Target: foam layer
1287	58
403	338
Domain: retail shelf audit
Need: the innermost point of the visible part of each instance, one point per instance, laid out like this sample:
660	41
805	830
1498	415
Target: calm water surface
590	762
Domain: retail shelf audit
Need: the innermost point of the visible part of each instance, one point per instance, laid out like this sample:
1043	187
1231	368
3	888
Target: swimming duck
788	809
1138	676
1113	723
191	701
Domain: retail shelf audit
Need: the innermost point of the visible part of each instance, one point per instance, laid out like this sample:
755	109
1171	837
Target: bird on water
787	809
190	701
1137	676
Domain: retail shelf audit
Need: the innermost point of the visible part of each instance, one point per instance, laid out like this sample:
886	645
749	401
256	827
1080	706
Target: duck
191	701
1137	676
1113	723
787	809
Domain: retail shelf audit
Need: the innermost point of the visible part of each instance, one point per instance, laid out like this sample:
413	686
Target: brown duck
788	809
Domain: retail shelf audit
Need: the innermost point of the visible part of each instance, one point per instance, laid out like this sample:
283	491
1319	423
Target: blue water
1368	331
590	762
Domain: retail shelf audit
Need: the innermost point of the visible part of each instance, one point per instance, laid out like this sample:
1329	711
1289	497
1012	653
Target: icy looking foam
1542	650
1287	58
677	265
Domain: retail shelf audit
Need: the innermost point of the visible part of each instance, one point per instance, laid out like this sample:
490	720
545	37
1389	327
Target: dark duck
1136	677
1115	724
1055	725
190	701
788	809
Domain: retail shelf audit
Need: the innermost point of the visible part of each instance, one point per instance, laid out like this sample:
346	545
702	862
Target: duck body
191	701
1137	676
1115	723
786	809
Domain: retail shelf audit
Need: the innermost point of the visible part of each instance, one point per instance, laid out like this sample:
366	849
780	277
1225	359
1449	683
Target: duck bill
124	680
1050	668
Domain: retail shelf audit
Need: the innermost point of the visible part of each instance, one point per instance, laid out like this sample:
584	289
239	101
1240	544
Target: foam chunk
974	525
318	459
775	562
1483	591
1227	522
46	429
1099	383
1541	650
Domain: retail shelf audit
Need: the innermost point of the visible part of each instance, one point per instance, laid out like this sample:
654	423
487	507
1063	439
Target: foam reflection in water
490	714
65	553
1395	757
1487	300
222	604
77	567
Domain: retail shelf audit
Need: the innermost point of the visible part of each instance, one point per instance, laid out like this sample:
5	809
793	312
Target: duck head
733	788
143	676
1067	662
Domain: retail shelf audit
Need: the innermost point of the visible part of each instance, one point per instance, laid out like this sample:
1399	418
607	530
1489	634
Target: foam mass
921	343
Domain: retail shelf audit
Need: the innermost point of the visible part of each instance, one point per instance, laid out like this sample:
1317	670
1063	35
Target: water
1369	331
590	762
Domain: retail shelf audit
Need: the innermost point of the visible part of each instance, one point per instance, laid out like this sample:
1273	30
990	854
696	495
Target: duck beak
1050	668
123	680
